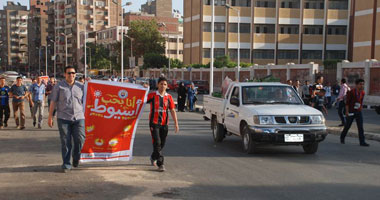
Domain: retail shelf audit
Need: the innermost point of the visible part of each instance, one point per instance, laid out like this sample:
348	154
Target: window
206	53
220	27
219	52
206	26
337	30
216	2
289	29
105	23
314	4
100	3
338	4
263	54
290	4
311	54
235	93
105	13
266	4
244	53
232	53
287	54
244	28
313	30
180	52
335	55
264	28
172	51
241	3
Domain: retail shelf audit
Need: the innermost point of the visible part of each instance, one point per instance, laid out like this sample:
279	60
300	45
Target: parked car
173	84
265	113
202	86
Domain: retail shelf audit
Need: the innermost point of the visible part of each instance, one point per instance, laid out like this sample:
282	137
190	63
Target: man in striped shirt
160	104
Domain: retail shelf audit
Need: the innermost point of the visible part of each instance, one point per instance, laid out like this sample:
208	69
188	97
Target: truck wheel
310	148
218	131
248	143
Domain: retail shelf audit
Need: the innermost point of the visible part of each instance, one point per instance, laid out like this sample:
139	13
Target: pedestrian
49	89
297	87
342	101
37	91
19	92
181	97
152	83
289	82
160	104
30	99
317	86
327	88
67	97
335	93
81	79
191	96
306	93
354	106
4	103
319	101
134	80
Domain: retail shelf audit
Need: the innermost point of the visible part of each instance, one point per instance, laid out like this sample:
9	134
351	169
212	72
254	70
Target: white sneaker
161	168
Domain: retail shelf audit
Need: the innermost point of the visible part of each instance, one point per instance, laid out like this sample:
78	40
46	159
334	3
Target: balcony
265	12
219	10
288	38
264	38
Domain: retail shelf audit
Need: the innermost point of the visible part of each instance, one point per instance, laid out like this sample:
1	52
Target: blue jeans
67	130
359	123
191	103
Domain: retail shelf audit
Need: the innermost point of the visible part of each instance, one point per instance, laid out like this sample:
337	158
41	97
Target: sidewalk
370	117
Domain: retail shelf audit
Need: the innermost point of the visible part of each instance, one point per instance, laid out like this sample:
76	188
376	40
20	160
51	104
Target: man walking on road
341	101
49	89
67	97
160	104
354	106
38	98
4	103
19	92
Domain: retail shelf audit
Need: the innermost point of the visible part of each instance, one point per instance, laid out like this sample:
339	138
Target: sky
177	4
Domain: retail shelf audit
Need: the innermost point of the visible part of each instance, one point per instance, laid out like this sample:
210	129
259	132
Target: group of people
18	92
349	102
186	93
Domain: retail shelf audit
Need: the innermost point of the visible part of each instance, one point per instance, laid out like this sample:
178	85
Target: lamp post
65	46
122	40
211	89
238	60
167	50
46	59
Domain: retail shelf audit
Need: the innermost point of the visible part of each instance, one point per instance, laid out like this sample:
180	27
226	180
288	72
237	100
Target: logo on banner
123	94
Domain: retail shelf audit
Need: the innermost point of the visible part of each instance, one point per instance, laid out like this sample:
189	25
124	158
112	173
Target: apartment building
271	31
13	37
37	34
158	8
74	18
365	30
172	32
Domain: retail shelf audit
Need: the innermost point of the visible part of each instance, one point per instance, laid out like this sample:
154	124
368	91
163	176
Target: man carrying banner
160	103
67	97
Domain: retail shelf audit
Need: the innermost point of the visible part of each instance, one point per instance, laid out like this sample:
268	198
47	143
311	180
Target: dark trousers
4	111
181	103
158	134
358	116
342	111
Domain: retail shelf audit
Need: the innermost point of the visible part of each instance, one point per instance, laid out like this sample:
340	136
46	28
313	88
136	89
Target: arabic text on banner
112	112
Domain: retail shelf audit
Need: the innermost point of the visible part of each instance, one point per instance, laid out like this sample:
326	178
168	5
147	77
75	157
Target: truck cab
265	113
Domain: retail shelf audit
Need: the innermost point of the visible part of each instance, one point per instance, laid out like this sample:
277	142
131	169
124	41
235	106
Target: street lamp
167	50
55	56
65	45
228	6
211	89
85	48
122	39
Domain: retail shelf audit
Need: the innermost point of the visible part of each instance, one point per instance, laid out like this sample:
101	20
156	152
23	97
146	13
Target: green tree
176	63
154	60
98	57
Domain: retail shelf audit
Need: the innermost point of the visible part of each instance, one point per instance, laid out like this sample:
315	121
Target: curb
368	135
330	130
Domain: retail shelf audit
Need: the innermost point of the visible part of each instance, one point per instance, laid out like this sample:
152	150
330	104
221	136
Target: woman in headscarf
181	97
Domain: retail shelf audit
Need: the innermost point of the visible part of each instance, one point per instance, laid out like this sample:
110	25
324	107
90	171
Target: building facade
37	35
158	8
74	18
271	31
13	37
365	30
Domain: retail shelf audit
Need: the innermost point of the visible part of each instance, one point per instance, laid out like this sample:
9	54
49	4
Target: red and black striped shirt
159	108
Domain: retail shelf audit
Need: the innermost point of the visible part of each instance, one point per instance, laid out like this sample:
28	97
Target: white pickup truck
265	113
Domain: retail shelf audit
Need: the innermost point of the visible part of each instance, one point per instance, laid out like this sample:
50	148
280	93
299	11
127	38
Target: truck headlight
265	120
317	119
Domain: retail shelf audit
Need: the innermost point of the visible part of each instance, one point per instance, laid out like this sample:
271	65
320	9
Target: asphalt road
197	168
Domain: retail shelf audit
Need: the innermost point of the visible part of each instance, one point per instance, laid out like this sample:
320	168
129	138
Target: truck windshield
270	95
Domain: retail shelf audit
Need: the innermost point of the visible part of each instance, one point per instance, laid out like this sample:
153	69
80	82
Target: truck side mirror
235	101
